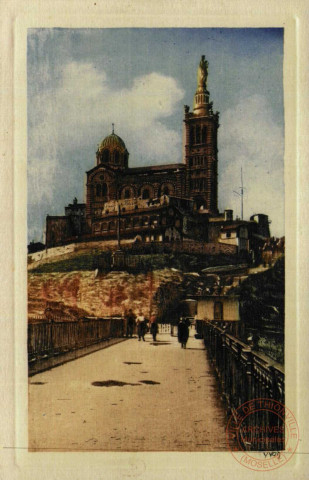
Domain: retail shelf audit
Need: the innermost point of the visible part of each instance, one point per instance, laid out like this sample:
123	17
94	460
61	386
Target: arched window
218	311
105	156
191	135
98	190
104	189
116	156
198	134
127	193
204	135
146	193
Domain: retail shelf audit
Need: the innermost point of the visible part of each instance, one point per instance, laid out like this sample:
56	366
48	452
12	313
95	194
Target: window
116	156
218	311
146	193
105	156
191	135
204	135
127	193
104	189
198	134
101	190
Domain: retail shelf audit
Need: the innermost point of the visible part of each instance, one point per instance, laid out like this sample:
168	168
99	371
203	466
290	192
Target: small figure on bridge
141	327
183	333
130	318
153	327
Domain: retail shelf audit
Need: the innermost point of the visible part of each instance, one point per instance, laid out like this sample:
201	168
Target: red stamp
262	434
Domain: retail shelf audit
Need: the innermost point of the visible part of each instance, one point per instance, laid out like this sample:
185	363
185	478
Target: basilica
167	203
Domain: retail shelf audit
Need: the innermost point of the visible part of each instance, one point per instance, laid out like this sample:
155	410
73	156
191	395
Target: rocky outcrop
105	294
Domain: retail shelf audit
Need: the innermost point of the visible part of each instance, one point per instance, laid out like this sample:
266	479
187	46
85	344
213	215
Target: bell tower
200	145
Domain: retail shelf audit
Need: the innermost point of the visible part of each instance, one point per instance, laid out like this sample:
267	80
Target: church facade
163	203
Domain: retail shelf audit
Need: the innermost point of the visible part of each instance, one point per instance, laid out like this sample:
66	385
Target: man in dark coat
154	329
130	317
183	333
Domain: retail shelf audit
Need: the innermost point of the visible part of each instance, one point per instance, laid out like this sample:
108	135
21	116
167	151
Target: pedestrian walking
154	328
141	327
130	317
183	333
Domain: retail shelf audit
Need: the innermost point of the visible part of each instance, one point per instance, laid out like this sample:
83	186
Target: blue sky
80	81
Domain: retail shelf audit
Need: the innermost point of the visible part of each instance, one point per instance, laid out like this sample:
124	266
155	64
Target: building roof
112	141
234	226
140	170
156	168
214	296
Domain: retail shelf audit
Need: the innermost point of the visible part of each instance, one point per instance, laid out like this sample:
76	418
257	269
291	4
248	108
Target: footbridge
139	396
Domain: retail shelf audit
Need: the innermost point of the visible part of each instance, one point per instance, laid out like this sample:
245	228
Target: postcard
156	216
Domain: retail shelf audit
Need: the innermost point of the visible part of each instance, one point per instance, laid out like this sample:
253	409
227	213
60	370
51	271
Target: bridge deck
178	408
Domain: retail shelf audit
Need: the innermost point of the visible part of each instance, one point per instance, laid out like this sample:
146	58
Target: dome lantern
112	150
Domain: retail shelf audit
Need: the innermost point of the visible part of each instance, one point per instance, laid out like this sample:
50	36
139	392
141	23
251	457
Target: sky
80	81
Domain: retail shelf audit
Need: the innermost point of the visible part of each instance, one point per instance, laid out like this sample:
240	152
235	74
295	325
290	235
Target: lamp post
118	225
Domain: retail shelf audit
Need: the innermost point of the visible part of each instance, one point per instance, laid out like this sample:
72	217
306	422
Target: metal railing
243	374
164	328
50	338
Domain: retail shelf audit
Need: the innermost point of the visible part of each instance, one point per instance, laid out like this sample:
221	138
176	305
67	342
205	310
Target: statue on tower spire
202	73
201	97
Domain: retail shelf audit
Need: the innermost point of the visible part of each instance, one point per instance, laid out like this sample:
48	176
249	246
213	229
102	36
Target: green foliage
84	261
168	299
262	310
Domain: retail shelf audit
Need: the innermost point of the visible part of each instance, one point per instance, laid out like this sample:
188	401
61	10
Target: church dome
112	142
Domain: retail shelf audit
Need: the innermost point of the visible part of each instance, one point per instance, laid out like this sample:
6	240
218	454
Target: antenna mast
241	194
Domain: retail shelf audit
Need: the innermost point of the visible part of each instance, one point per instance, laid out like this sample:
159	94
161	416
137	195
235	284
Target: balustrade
243	373
49	338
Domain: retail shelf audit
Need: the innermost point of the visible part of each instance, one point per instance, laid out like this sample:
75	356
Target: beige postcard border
16	462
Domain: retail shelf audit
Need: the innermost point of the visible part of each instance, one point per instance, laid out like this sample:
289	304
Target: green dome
111	142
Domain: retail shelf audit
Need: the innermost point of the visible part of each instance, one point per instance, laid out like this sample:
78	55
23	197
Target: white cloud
250	138
84	102
78	114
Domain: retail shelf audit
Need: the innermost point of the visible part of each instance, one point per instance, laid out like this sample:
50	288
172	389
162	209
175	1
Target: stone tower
200	145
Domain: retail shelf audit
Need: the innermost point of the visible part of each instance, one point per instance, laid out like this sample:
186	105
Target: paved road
168	400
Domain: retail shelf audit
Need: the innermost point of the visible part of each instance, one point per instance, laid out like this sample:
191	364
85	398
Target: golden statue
202	73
